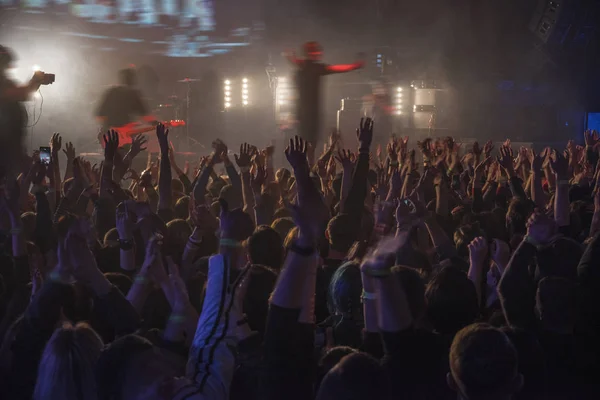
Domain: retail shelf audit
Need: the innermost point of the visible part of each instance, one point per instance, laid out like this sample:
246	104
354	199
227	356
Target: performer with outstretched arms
308	84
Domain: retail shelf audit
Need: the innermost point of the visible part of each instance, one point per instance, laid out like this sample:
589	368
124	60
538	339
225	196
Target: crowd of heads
420	269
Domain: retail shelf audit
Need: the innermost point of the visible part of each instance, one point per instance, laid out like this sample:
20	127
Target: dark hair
265	247
112	366
557	303
451	300
483	361
128	77
6	57
181	209
256	302
414	288
357	376
283	226
341	233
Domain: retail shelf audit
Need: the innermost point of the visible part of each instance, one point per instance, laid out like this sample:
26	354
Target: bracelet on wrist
378	272
302	251
125	244
177	318
368	296
230	243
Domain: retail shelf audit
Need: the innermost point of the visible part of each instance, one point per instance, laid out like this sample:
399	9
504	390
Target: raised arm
341	68
165	194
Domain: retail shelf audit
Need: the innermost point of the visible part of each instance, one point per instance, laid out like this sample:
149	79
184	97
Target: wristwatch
125	244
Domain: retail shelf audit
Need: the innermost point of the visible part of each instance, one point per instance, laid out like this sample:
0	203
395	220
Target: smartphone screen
45	155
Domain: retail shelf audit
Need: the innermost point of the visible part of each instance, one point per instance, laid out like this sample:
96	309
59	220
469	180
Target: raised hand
478	250
55	144
487	148
111	144
124	224
203	219
245	157
70	151
162	134
296	154
476	149
506	160
591	138
258	179
137	145
345	158
220	151
535	160
560	164
480	170
425	147
382	186
365	134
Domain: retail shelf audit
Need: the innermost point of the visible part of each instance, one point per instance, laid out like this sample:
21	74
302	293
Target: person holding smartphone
13	115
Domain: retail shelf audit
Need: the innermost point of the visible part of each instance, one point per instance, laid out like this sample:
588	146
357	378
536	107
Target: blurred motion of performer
308	86
123	104
13	115
377	105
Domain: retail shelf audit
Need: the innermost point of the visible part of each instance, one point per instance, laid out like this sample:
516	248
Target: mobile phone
411	206
45	155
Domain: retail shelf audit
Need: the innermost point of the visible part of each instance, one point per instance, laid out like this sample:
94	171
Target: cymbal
188	80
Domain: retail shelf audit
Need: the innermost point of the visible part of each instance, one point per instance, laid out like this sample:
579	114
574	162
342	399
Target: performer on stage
123	104
308	84
13	115
378	106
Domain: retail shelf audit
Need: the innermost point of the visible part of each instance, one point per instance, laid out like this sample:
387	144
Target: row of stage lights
398	101
229	98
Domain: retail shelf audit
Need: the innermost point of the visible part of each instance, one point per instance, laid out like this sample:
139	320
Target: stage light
228	99
245	103
399	112
36	68
399	95
227	105
227	82
227	93
399	89
245	97
414	108
245	80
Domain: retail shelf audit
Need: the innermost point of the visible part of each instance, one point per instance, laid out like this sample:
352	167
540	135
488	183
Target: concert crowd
401	270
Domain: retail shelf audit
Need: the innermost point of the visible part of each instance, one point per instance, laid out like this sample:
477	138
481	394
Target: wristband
125	244
177	318
302	251
378	273
38	189
230	243
368	296
531	241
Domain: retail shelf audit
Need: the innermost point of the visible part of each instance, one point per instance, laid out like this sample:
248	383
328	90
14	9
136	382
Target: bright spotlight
399	112
245	97
227	82
245	103
228	99
36	68
245	86
245	80
399	89
227	93
227	105
227	87
399	95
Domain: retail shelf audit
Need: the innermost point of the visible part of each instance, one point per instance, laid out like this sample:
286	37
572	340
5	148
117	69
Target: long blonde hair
66	369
